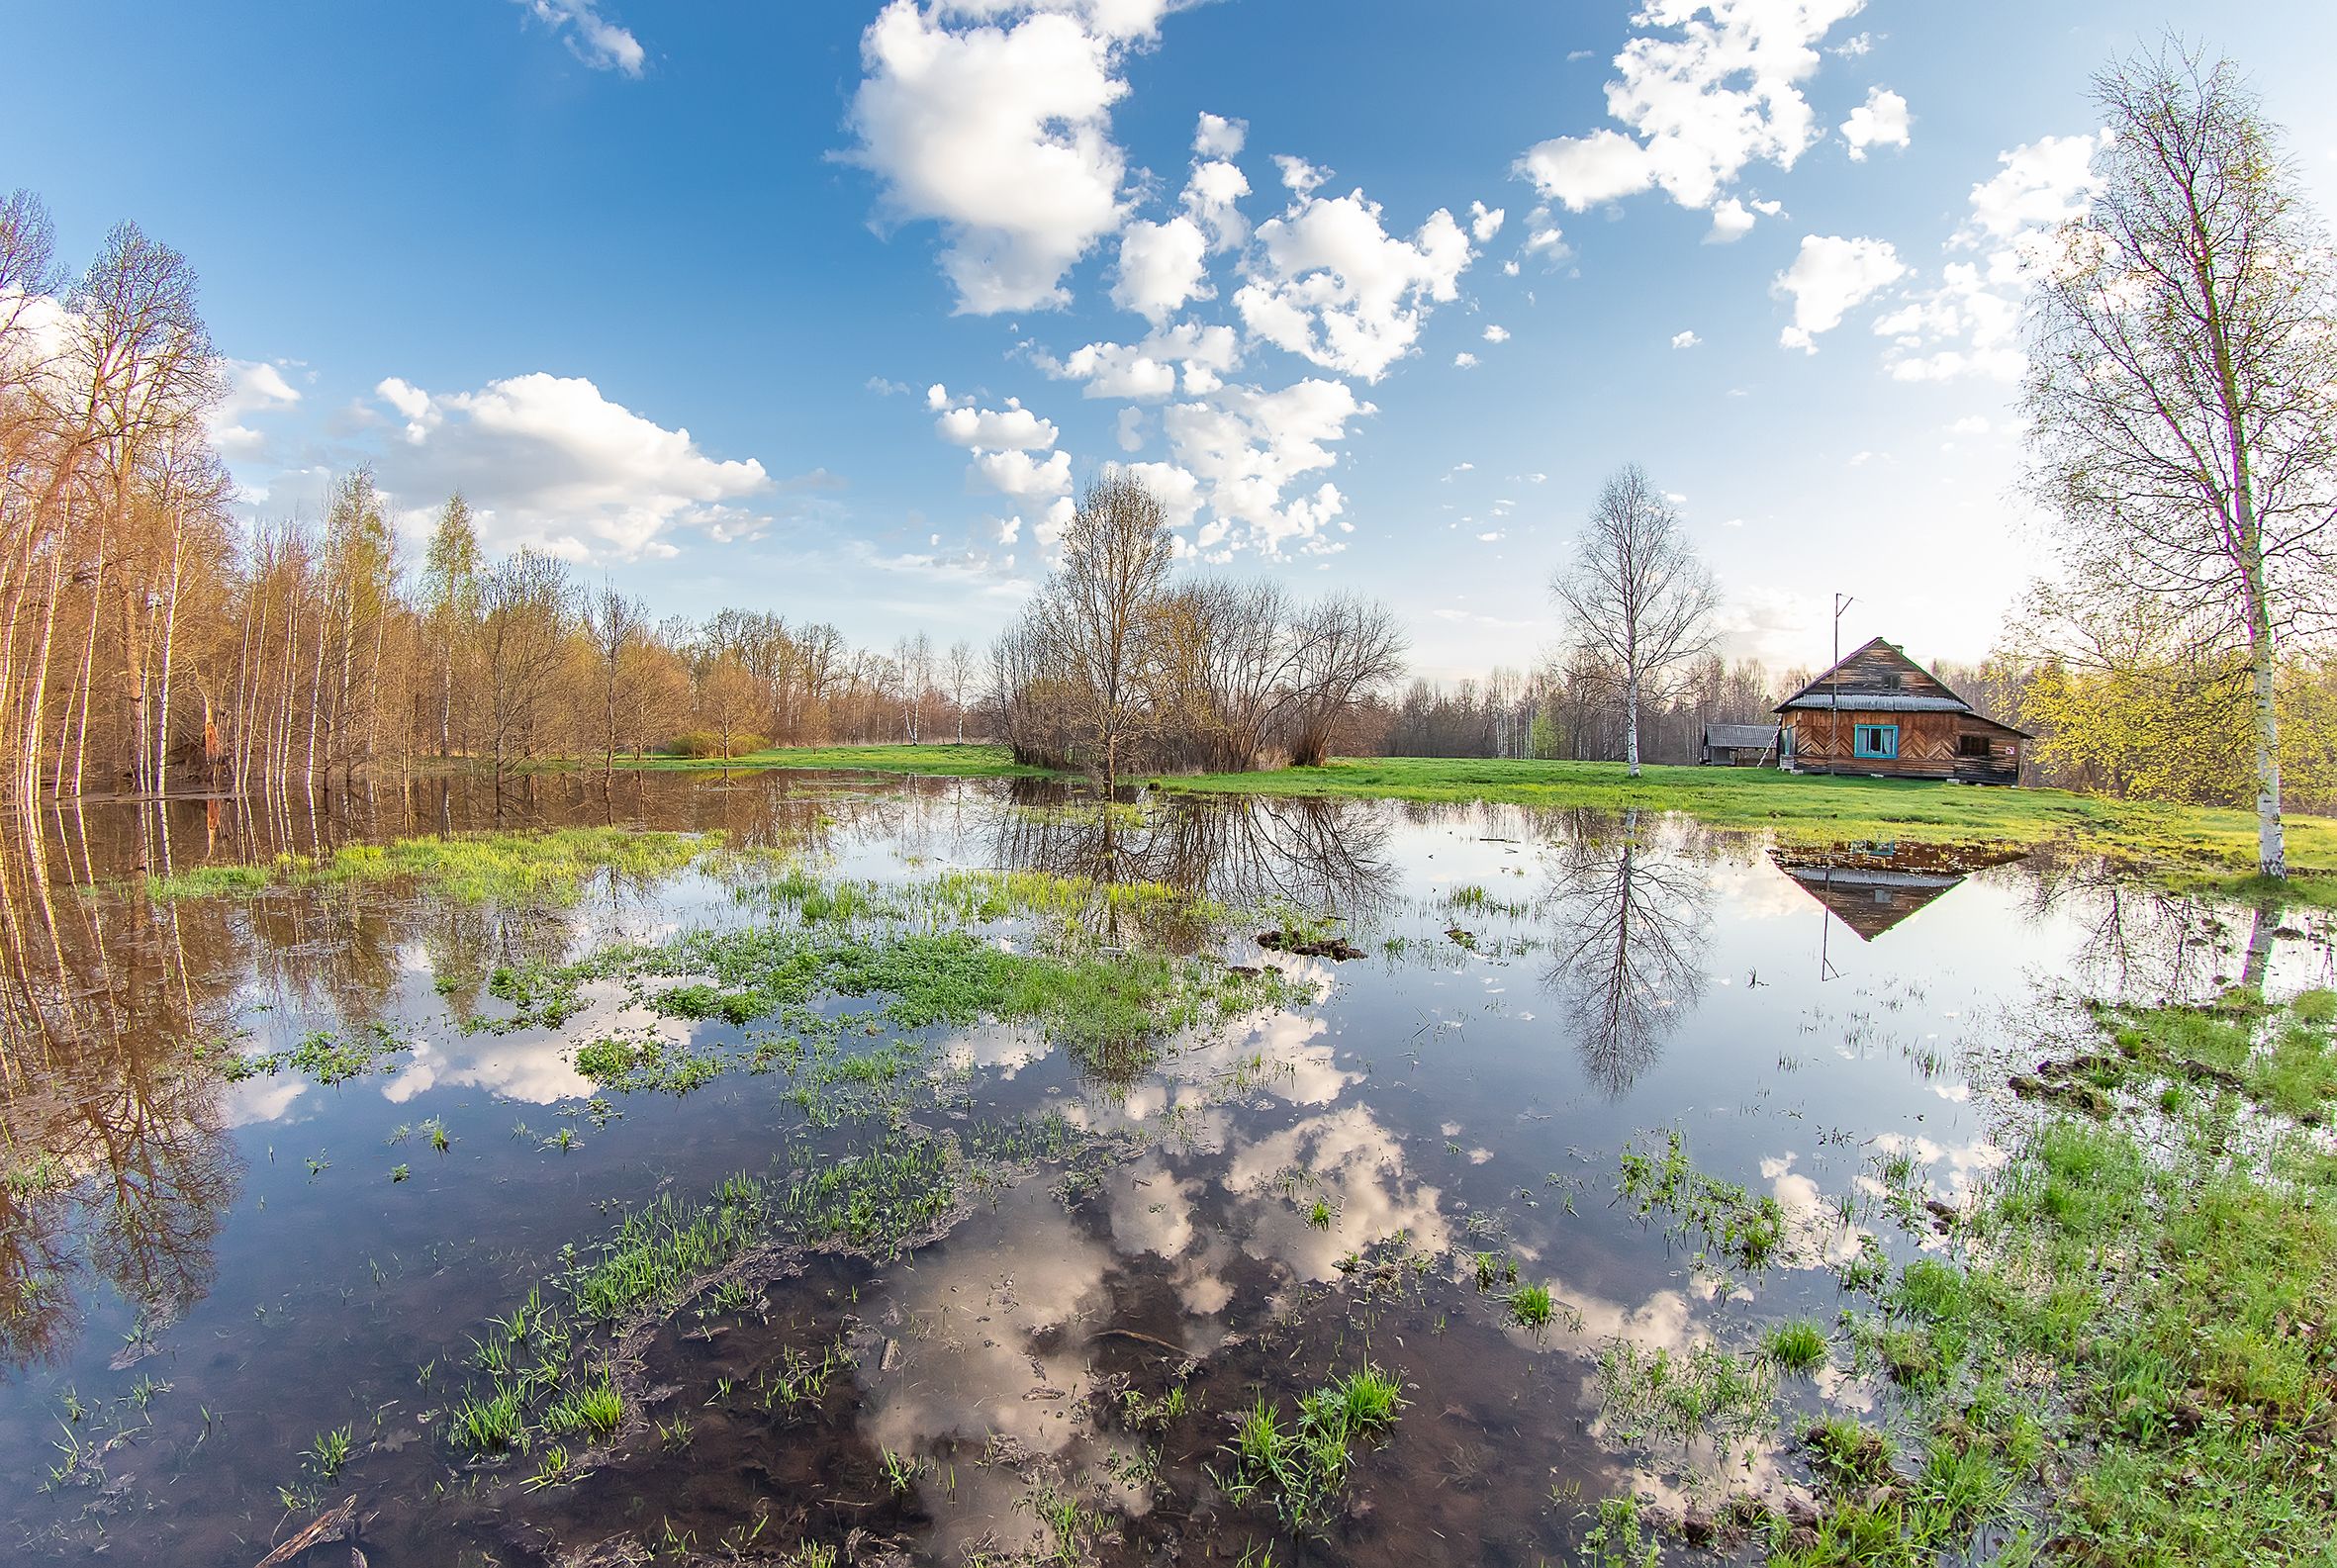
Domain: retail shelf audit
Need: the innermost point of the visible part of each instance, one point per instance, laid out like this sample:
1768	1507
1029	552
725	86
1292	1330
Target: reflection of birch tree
1629	925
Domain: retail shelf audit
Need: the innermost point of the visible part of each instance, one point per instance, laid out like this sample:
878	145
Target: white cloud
1298	174
1331	285
1496	334
1829	278
1130	430
2039	186
1017	473
1464	361
1733	219
1216	136
1162	265
1013	427
1246	447
253	387
1717	92
1881	122
1210	195
590	35
1969	322
1484	221
1971	425
1686	339
1146	371
993	118
548	461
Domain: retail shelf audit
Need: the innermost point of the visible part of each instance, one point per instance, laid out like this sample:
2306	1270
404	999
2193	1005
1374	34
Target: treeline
1571	710
1114	668
153	643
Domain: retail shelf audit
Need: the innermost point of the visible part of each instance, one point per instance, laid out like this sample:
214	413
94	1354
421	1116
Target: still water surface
199	1276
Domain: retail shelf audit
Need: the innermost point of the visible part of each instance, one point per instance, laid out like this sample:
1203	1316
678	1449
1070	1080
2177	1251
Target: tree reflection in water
1629	923
1246	854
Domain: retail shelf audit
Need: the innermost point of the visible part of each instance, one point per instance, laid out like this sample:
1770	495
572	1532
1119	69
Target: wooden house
1739	745
1880	712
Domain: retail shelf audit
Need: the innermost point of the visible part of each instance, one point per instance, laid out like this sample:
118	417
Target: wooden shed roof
1739	735
1872	678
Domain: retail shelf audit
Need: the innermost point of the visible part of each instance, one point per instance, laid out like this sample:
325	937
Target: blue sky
523	248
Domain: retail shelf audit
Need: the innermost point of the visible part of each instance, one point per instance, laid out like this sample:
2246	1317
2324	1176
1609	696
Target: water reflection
1873	887
1318	855
1629	923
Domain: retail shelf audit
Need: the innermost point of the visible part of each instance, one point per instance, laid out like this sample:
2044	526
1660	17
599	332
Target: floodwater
200	1274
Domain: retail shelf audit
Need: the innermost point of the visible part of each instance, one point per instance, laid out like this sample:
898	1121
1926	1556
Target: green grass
1796	1346
2129	1350
941	757
536	868
2201	846
2185	842
328	1057
1303	1466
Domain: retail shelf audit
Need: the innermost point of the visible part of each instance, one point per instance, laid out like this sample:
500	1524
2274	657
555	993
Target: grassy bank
2181	844
2130	1332
947	758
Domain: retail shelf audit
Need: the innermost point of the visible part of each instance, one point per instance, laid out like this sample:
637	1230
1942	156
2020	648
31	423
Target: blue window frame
1874	740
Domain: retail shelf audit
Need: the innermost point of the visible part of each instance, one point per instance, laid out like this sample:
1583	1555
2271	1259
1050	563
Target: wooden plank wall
1928	746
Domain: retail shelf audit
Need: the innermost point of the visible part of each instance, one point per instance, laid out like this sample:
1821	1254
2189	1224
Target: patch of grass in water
550	866
1747	1231
1684	1395
1796	1346
1303	1467
328	1057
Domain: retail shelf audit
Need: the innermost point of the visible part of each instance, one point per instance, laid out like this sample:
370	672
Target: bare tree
1637	598
1342	646
528	612
2182	388
958	669
613	624
1095	616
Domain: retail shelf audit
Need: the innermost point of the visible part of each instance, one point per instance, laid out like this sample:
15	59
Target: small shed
1739	745
1880	712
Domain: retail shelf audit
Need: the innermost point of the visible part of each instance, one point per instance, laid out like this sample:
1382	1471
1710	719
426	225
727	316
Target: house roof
1821	697
1733	735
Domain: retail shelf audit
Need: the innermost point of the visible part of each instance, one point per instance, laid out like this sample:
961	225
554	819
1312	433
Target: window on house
1972	746
1876	740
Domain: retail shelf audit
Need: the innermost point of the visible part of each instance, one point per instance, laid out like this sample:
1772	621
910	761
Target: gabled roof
1736	735
1855	689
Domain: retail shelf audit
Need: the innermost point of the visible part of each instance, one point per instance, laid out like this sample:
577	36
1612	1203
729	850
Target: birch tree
1637	599
1095	616
2183	348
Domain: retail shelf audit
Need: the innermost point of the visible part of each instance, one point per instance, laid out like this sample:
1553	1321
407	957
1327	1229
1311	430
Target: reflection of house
1739	745
1871	887
1879	711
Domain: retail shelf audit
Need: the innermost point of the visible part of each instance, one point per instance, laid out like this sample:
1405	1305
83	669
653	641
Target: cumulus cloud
253	387
1246	447
1714	86
1881	122
1496	334
1733	219
1017	473
590	35
1333	286
1013	427
1968	324
1148	371
993	119
1831	277
1162	265
1216	136
1464	360
1687	339
1484	221
548	461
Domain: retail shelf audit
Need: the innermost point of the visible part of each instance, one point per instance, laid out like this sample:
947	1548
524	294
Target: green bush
705	743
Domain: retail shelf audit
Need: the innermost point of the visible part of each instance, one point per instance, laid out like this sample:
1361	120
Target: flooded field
819	1170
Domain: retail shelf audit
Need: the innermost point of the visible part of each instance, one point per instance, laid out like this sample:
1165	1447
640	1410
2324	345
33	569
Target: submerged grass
2127	1362
539	868
1302	1467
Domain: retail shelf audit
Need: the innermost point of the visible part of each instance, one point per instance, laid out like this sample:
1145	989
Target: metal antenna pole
1833	679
